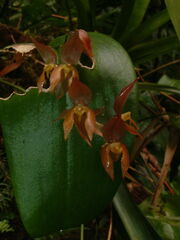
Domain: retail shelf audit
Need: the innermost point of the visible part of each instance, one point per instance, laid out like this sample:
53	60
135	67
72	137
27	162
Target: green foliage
166	218
174	9
5	227
136	225
53	178
159	87
131	16
149	50
143	28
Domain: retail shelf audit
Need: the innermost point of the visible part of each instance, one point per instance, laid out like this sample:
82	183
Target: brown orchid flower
76	47
84	119
58	77
114	130
112	152
116	127
79	92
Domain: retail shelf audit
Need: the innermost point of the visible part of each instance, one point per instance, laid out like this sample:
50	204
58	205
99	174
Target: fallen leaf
22	47
15	63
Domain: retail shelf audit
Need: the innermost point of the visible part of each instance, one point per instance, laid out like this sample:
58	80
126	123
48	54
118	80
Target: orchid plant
64	78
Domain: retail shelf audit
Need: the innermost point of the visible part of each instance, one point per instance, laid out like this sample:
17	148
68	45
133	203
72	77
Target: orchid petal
114	130
80	124
47	53
122	97
78	43
107	161
40	82
68	123
131	129
91	125
72	49
79	92
125	162
86	42
60	81
16	62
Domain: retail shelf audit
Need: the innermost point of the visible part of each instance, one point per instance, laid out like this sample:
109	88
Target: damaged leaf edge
18	94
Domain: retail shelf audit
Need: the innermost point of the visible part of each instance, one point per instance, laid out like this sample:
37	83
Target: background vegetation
149	31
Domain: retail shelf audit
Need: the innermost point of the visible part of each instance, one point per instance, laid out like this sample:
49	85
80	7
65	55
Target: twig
109	237
142	174
82	232
170	97
71	25
151	130
59	16
169	153
155	101
161	67
13	85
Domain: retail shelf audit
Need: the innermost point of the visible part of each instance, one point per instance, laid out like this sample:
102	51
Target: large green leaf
145	29
60	184
85	16
166	218
137	227
159	88
173	7
146	51
172	82
130	17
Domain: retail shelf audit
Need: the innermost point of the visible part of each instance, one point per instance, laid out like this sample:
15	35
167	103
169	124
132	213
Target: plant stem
169	153
13	85
161	67
82	232
71	25
84	14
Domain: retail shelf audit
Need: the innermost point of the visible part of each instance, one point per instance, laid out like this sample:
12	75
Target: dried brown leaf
16	62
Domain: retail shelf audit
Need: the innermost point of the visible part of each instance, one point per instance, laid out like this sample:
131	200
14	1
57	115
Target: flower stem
12	85
161	67
84	14
82	232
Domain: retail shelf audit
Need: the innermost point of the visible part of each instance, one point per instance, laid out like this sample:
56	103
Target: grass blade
84	14
159	88
136	225
149	50
132	14
145	29
173	7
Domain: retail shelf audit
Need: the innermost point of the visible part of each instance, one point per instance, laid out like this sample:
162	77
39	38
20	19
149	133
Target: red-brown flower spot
112	152
116	127
56	79
47	53
84	119
113	132
78	49
122	97
79	92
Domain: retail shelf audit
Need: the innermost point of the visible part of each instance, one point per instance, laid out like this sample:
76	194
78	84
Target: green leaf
158	88
61	184
166	218
52	178
135	223
165	80
130	17
146	51
85	20
173	7
145	29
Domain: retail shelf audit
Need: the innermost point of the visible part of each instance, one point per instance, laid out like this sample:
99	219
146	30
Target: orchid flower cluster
64	78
